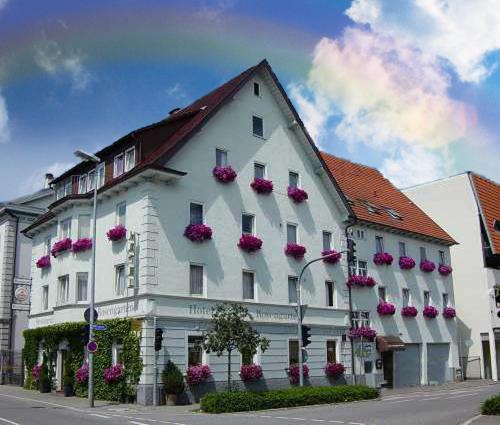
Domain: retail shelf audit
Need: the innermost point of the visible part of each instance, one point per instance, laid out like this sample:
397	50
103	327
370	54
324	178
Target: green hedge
491	406
239	401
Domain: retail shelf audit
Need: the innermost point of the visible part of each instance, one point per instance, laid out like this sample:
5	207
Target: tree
231	330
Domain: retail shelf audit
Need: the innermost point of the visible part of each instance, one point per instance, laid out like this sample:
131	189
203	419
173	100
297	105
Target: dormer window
82	184
129	159
118	167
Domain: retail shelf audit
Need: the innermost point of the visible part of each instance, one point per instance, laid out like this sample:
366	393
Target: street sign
100	327
92	346
86	315
305	355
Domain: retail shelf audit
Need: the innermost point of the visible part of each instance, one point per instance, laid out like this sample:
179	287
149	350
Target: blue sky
412	89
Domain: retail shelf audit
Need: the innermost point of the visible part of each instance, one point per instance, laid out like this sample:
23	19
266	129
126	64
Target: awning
390	343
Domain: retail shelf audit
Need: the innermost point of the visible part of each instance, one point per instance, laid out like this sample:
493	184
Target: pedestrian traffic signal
85	333
351	250
158	338
306	335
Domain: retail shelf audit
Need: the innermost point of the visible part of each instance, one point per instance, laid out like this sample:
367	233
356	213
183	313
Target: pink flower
361	281
444	270
427	266
409	311
224	174
386	309
262	186
61	246
381	258
363	332
449	313
113	373
332	256
197	374
251	372
430	312
198	232
294	250
82	374
36	371
298	195
294	373
116	233
334	369
43	262
406	263
82	245
250	243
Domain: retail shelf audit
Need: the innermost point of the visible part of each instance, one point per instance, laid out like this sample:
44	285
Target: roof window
372	208
394	214
496	225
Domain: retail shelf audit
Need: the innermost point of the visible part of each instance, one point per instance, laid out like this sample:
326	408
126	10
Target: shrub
294	374
113	373
172	379
36	371
251	372
197	374
334	369
491	406
82	374
241	401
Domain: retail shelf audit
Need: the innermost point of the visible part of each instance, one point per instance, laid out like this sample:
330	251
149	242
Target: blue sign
100	327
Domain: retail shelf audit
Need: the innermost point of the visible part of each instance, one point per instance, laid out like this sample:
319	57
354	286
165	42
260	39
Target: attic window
372	208
496	225
394	214
349	201
256	89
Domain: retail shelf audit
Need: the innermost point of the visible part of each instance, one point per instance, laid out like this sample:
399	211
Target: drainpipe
351	222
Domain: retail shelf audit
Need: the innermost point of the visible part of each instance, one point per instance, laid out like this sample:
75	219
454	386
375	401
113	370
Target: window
359	267
48	246
497	296
259	171
121	213
129	159
372	208
195	213
327	241
360	234
292	290
330	293
91	181
293	179
82	184
361	318
247	224
446	300
257	126
83	226
118	166
427	298
66	228
195	350
402	249
81	286
382	296
406	297
117	352
120	281
291	233
101	169
195	279
248	286
423	254
293	352
63	290
45	297
68	187
496	225
331	351
379	244
442	259
256	89
220	158
394	214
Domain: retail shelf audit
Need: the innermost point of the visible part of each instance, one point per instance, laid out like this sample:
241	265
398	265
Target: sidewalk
386	392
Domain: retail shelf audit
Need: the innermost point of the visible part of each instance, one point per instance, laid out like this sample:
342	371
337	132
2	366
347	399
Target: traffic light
351	250
306	335
85	333
158	338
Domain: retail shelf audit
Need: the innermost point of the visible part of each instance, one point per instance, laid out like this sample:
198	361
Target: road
429	406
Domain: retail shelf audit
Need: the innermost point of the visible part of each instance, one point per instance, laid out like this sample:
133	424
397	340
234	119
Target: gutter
351	221
11	324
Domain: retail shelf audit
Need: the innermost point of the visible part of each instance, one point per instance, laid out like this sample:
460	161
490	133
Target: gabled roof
488	197
375	199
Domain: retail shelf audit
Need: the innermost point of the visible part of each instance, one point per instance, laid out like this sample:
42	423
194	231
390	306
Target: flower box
197	374
406	263
383	258
82	374
409	311
297	195
82	245
363	332
198	232
444	270
224	174
331	256
386	309
61	246
262	186
361	281
43	262
116	233
294	250
449	313
427	266
334	370
430	312
294	373
113	373
250	243
252	372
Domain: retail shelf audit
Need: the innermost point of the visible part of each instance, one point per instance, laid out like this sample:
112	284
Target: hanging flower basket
250	243
331	256
43	262
363	332
113	373
444	270
36	371
116	233
427	266
294	373
82	245
386	309
82	374
383	258
61	246
406	263
252	372
409	311
198	232
449	313
361	281
297	195
430	312
334	370
224	174
295	250
197	374
262	186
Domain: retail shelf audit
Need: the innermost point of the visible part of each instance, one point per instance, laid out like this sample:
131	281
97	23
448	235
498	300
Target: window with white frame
195	213
446	300
423	254
82	280
331	351
442	258
361	319
248	285
257	126
327	241
120	280
101	174
293	351
379	244
221	158
427	298
196	279
121	213
259	171
402	249
118	165
256	89
382	294
45	297
83	226
63	290
330	293
129	159
291	233
195	350
82	183
292	289
247	224
360	234
117	352
293	179
359	268
65	228
91	180
406	297
68	187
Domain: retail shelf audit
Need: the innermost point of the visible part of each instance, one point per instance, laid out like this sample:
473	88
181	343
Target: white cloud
176	91
3	3
213	10
36	179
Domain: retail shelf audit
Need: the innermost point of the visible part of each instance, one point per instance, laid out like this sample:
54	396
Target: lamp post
84	156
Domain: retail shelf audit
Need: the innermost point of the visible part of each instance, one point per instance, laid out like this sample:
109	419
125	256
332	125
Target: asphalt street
451	405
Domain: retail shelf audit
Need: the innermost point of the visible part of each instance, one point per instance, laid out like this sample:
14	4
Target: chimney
48	180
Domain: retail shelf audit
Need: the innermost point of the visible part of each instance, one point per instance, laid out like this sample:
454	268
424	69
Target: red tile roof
366	187
488	193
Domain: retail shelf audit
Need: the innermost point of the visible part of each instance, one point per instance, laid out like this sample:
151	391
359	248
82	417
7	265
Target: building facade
476	262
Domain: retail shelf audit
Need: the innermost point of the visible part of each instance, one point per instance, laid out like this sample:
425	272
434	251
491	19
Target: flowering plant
251	372
449	312
250	243
298	195
197	374
43	262
406	263
262	186
444	270
334	369
116	233
359	280
82	374
430	312
36	371
113	373
381	258
386	309
82	245
61	246
294	373
198	232
224	174
295	250
409	311
363	332
427	266
331	256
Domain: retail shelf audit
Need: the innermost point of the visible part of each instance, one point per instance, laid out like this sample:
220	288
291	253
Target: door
407	366
437	363
487	360
388	364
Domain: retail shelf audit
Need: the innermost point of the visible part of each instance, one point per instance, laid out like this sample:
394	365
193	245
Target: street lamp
84	156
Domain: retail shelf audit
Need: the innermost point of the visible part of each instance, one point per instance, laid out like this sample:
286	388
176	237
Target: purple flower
113	373
262	186
43	262
36	371
252	372
298	195
82	245
197	374
198	232
82	374
250	243
427	266
386	309
363	332
334	369
361	281
61	246
409	311
331	256
294	250
449	312
224	174
294	373
430	312
116	233
406	263
381	258
444	270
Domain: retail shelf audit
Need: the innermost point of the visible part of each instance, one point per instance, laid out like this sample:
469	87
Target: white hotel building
158	179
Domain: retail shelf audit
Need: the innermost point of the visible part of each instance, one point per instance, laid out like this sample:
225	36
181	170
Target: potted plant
173	382
45	385
69	382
